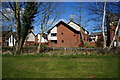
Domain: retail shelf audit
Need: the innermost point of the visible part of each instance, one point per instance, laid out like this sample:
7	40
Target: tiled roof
97	33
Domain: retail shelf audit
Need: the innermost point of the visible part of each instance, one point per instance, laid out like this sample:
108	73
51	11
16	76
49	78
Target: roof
79	26
4	33
97	33
66	25
44	35
7	34
31	32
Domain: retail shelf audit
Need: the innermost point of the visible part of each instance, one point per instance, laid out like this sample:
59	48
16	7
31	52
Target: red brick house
112	21
66	35
97	36
96	39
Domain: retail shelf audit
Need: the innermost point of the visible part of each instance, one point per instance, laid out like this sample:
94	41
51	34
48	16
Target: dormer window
53	34
62	33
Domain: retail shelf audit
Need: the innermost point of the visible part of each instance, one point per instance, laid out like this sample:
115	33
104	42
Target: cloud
72	16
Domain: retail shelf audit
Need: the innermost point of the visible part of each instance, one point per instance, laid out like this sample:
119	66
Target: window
62	41
74	34
10	39
54	41
62	33
53	34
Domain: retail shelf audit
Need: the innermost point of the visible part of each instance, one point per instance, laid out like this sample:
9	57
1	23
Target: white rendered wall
43	40
11	43
54	30
96	38
31	37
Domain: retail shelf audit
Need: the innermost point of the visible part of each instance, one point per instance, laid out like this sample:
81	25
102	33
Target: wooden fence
47	49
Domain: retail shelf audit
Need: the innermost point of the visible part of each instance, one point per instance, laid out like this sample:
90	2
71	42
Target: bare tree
103	29
79	20
48	13
97	9
20	22
116	30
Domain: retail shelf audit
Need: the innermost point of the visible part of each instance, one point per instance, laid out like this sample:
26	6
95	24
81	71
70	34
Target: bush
99	43
44	48
88	46
7	48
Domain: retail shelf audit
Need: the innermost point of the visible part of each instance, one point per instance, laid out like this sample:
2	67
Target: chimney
71	19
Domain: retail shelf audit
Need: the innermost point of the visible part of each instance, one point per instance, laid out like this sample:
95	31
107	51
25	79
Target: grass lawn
73	66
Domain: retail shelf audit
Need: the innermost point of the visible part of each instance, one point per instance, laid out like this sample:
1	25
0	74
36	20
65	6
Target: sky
70	11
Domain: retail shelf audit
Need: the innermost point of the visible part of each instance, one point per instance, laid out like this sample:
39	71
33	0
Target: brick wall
86	37
92	43
36	39
27	43
110	34
66	38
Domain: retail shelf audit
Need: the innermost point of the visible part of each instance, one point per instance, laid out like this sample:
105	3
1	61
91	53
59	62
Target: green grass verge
64	66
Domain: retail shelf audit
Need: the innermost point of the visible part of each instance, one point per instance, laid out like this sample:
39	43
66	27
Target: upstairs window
62	41
53	34
62	33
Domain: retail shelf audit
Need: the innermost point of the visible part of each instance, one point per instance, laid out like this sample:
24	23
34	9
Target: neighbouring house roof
66	25
31	32
4	33
44	35
79	26
7	34
97	33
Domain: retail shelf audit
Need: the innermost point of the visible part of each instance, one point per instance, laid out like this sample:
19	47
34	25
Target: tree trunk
82	38
17	16
103	30
39	46
114	35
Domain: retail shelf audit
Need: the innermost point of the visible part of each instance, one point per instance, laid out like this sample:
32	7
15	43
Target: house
97	36
96	39
9	38
30	39
66	35
112	21
43	39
